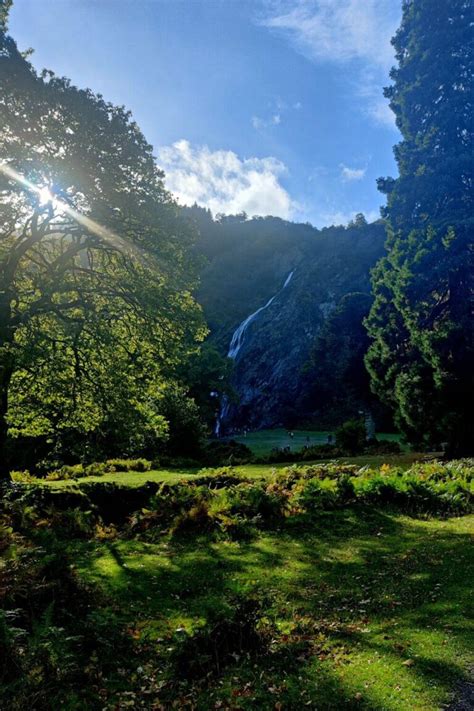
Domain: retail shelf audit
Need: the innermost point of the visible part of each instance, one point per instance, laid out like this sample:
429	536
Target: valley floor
262	442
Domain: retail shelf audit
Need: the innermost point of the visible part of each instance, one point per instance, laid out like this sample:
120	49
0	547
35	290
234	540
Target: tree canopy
421	326
96	272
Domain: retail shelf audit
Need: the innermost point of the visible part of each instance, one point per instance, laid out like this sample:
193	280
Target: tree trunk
5	377
6	372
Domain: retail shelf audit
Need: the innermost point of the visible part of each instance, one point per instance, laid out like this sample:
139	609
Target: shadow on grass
331	579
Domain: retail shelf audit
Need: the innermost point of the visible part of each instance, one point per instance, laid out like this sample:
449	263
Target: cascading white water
239	333
236	344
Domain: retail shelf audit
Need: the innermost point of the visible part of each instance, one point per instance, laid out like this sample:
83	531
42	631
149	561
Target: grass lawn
171	476
263	441
369	610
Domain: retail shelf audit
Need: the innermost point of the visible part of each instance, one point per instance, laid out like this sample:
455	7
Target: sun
45	196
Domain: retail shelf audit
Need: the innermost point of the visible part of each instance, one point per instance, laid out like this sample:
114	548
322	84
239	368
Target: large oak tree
96	311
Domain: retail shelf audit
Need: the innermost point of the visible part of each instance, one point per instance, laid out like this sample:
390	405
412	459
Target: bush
218	478
383	447
78	471
316	451
351	436
126	465
345	489
256	502
66	472
196	520
228	452
22	477
314	495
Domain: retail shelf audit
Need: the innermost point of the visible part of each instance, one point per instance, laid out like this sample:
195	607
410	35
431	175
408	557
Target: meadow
325	586
262	442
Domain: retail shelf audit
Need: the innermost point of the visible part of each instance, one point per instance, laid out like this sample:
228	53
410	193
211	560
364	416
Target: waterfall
239	333
236	344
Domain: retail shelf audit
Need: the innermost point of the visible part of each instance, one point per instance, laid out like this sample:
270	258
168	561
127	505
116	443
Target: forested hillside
282	373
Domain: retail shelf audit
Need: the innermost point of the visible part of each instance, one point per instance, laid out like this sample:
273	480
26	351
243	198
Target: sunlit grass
256	471
262	442
388	595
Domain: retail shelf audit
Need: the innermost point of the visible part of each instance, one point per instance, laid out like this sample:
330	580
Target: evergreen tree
337	383
421	355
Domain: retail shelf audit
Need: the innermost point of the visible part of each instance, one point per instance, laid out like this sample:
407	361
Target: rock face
278	299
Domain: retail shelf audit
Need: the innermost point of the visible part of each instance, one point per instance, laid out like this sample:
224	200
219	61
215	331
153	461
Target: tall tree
421	325
337	382
96	310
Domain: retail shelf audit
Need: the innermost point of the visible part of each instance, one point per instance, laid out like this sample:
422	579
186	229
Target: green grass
171	476
271	595
262	442
381	601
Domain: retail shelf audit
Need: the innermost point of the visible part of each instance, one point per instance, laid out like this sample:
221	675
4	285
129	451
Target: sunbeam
46	196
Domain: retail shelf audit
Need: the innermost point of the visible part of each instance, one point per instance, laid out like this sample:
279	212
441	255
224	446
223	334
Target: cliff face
267	290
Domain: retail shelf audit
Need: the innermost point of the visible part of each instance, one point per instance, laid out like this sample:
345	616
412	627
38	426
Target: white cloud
337	30
367	87
381	113
259	123
223	182
350	174
341	31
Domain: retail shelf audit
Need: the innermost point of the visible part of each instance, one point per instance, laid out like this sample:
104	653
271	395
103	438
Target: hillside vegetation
296	364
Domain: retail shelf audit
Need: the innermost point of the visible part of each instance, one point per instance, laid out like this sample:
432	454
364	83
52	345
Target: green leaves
97	312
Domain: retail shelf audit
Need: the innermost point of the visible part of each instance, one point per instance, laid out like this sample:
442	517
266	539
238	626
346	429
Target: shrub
315	495
96	469
78	471
229	452
351	436
175	462
197	519
127	465
378	489
217	478
345	490
256	502
317	451
23	477
383	447
68	471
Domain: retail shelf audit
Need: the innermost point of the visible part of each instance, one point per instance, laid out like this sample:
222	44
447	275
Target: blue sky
268	106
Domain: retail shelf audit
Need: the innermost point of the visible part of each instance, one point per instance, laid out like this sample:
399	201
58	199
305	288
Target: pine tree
421	356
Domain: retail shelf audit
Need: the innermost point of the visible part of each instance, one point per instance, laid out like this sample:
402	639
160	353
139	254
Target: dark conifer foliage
421	326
